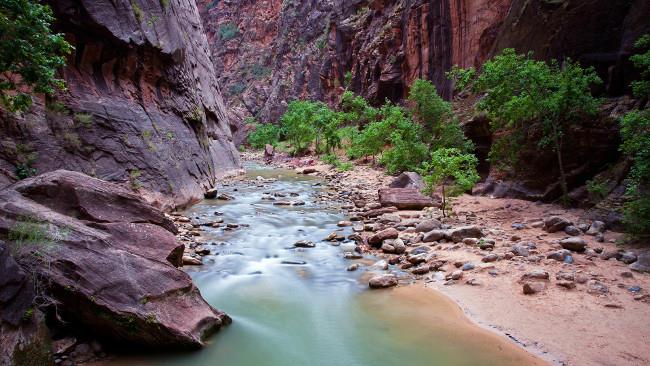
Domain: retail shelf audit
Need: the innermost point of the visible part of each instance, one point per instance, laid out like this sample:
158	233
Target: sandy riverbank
598	321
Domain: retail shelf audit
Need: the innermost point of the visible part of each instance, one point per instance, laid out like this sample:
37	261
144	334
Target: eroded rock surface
108	258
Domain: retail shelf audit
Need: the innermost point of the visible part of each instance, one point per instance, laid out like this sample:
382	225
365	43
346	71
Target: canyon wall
143	105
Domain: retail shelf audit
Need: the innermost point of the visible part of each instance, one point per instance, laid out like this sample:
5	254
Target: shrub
523	94
134	180
641	88
84	119
263	135
357	109
450	164
635	131
29	53
228	31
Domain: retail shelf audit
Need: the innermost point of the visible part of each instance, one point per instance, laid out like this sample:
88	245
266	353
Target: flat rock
408	180
404	198
428	225
433	235
642	263
383	281
555	223
574	243
377	239
458	234
531	288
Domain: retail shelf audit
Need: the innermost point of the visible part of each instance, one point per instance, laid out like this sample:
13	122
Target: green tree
635	133
407	150
29	53
264	134
297	124
357	109
454	171
522	94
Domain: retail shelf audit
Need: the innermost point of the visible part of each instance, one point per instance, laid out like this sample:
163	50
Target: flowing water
300	307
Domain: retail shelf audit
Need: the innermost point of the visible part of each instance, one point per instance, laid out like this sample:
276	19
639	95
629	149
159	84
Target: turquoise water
317	313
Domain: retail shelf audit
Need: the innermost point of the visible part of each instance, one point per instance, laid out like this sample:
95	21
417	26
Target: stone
210	193
628	257
536	274
555	223
294	262
352	255
471	241
596	287
387	248
404	198
111	227
428	225
566	284
408	180
399	246
304	244
609	254
520	250
596	227
64	345
531	288
490	258
467	267
559	255
383	281
420	270
574	244
269	151
420	250
642	263
191	261
377	239
457	275
344	223
572	231
458	234
433	235
353	267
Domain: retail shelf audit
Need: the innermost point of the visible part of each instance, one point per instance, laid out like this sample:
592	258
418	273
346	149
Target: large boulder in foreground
108	258
404	198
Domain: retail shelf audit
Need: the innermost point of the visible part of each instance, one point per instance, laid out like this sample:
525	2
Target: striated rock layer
104	261
143	107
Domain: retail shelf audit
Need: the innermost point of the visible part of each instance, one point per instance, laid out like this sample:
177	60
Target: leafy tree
264	134
641	88
407	150
357	109
441	127
29	53
454	171
522	94
297	124
635	132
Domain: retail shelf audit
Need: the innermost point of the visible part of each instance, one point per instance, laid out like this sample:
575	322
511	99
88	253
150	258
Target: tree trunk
444	202
558	151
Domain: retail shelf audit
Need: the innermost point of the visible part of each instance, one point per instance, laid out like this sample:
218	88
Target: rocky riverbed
537	272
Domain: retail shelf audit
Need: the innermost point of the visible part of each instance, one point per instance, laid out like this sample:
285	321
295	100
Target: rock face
404	198
143	107
270	52
108	258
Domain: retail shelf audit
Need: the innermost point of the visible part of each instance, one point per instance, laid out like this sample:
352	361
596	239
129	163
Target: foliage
29	53
137	11
228	31
446	164
347	79
264	134
641	88
24	171
441	128
597	189
522	94
406	151
635	131
357	109
28	231
134	180
334	160
84	119
462	78
297	124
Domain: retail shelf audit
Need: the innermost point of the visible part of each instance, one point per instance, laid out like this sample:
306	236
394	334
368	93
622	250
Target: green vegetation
28	231
84	119
29	53
347	79
137	12
524	95
334	160
454	171
264	134
228	31
134	175
635	132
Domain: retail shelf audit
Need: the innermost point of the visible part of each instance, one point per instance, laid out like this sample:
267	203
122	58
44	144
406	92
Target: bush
29	53
523	94
635	131
357	109
228	31
446	164
641	88
263	135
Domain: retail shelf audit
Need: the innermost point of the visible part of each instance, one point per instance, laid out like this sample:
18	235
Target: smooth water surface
317	313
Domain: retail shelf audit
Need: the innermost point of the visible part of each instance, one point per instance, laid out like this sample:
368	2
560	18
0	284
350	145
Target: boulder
404	198
433	235
383	281
428	225
458	234
210	193
533	288
555	223
596	227
408	180
377	239
572	231
269	151
574	243
642	263
110	260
